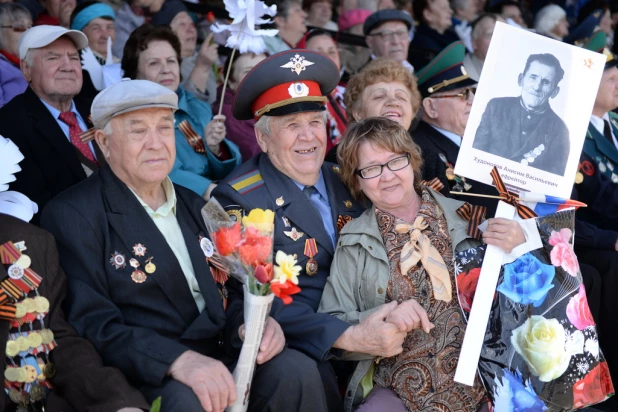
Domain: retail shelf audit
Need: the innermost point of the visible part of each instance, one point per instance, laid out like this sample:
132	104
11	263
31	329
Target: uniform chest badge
118	260
139	250
294	234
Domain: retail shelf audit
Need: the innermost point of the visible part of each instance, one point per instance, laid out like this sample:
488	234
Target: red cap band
284	94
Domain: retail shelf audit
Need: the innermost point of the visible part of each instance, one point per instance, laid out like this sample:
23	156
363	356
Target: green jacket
359	276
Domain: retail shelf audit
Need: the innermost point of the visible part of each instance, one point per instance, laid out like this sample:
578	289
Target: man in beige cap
136	254
45	121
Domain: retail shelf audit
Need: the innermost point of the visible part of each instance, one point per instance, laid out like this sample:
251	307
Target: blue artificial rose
527	280
511	395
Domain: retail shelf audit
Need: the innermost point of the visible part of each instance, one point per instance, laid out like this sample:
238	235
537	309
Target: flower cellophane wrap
541	348
246	254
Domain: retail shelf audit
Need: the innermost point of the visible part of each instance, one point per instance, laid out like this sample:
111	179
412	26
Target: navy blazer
258	184
140	328
432	144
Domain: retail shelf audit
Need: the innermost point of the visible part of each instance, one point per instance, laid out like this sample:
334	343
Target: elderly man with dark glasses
448	93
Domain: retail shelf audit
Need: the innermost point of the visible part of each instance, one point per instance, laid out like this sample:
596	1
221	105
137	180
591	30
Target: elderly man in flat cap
285	93
135	251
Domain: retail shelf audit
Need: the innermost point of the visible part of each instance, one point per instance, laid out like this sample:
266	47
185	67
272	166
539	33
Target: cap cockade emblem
298	90
297	64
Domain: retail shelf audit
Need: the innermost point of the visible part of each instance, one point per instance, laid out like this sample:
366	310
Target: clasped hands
210	379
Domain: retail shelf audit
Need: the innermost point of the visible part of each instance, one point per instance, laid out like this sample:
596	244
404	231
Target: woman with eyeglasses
382	88
398	258
14	21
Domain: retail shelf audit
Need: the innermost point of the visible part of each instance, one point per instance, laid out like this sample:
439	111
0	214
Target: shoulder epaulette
247	182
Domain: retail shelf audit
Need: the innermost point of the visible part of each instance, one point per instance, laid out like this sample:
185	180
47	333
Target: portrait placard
530	112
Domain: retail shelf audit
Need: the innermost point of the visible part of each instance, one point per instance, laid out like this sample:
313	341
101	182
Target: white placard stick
481	307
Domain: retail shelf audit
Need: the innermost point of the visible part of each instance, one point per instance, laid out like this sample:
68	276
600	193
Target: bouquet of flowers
245	250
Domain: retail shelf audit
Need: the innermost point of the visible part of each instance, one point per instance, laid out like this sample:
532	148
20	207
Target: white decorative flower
582	367
574	342
10	156
246	14
592	347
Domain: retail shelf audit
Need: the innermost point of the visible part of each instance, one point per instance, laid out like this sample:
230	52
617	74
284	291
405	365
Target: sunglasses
18	28
464	95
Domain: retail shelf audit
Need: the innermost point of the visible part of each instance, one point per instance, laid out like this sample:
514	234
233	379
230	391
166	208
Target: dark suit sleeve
305	330
483	138
80	377
591	236
142	354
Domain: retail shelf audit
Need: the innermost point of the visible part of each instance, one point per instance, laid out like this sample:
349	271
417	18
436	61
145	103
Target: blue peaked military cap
292	81
445	72
597	43
586	28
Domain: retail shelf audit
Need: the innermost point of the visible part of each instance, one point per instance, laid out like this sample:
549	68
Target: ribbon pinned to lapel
88	135
523	211
194	140
434	184
475	216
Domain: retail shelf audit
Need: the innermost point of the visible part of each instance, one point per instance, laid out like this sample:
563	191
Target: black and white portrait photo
530	112
524	128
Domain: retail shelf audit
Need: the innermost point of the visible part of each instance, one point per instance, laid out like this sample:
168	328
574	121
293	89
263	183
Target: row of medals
37	306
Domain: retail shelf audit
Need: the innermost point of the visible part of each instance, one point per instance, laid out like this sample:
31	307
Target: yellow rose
541	342
286	268
261	220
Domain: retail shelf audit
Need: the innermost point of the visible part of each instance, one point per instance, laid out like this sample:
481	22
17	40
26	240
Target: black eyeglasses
464	95
397	163
19	28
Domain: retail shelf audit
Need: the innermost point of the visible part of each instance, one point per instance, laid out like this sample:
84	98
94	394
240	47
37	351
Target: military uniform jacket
510	131
81	379
433	144
258	184
599	188
140	328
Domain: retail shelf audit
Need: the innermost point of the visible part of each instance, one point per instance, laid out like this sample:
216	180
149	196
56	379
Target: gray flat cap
127	96
382	16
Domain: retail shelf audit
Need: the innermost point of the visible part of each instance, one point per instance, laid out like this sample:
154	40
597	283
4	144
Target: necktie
74	132
419	247
607	131
308	191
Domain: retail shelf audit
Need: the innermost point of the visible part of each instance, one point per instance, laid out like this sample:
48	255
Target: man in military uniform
596	184
448	93
524	128
286	95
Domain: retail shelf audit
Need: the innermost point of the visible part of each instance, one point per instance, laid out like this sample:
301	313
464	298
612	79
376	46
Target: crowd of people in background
62	65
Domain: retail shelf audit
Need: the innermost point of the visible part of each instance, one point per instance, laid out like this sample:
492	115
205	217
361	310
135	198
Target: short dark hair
139	40
548	60
589	8
82	6
418	7
499	7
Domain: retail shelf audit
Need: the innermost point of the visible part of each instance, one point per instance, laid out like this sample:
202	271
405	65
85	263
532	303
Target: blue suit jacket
258	184
140	328
196	171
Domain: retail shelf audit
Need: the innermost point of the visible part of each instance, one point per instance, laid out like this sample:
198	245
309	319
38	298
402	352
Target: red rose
466	286
593	388
255	250
210	17
227	238
264	273
283	291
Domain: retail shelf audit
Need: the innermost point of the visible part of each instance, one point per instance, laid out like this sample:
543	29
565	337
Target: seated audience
381	89
196	68
45	121
482	31
69	363
96	21
433	33
56	13
15	20
551	21
131	15
373	279
239	132
154	310
320	14
291	21
203	155
509	9
464	12
322	42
